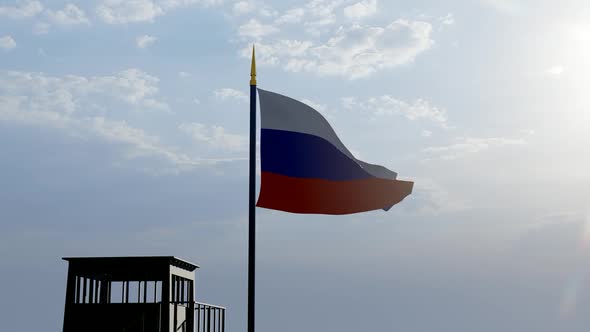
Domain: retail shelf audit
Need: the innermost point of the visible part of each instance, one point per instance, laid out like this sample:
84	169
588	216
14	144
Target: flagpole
251	204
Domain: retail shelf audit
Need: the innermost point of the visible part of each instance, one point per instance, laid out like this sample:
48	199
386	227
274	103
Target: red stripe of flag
302	195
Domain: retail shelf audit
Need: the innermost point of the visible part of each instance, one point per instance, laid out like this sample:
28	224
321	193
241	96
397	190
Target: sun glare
580	32
578	39
574	50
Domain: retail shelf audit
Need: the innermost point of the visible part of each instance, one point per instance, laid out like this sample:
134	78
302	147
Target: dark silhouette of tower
135	294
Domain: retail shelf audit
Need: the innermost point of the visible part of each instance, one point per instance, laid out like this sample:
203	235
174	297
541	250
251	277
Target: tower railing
208	317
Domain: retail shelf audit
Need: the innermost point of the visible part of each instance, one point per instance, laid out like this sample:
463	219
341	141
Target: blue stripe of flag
306	156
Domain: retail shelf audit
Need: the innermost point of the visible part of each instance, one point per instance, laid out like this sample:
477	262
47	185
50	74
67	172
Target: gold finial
253	68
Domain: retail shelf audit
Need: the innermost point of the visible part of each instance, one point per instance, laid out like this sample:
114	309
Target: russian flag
307	169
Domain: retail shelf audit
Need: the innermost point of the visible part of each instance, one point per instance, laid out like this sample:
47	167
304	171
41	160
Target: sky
124	131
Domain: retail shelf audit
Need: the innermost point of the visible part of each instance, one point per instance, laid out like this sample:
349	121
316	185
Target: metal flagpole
251	206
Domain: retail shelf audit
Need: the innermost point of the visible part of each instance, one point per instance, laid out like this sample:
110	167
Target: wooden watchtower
135	294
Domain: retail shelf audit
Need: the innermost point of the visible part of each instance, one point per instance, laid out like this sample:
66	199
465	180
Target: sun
580	32
578	40
576	55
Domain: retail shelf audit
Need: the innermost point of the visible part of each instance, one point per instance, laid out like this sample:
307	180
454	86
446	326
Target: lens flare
569	300
585	241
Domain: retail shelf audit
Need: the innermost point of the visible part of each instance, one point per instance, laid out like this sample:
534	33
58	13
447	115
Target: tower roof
140	267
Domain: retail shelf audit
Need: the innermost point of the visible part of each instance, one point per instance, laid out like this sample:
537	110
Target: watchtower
135	294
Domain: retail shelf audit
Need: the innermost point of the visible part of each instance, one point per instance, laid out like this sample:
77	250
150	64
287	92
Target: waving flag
307	169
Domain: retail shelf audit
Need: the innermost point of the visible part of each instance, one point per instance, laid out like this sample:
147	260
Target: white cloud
243	7
255	29
361	9
71	93
272	54
130	11
354	52
22	9
7	43
314	15
127	11
294	15
431	198
133	86
228	93
321	13
17	109
69	15
470	145
426	133
184	74
325	111
69	103
555	70
252	7
316	106
449	19
506	6
143	145
214	136
386	105
172	4
267	12
145	41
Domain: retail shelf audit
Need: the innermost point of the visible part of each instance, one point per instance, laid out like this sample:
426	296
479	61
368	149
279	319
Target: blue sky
123	131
